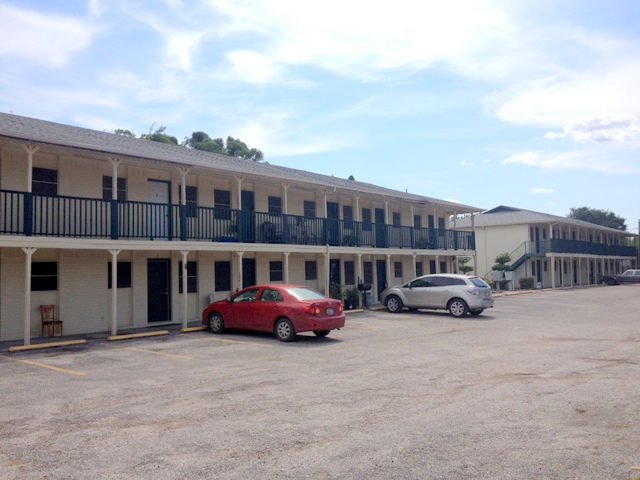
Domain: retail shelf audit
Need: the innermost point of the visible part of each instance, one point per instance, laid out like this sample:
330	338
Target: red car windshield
302	293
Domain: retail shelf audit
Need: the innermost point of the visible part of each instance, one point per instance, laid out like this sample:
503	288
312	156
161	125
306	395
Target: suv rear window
478	282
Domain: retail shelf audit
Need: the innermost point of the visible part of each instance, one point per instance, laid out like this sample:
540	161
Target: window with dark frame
222	204
192	200
310	270
417	221
124	275
222	274
44	276
396	219
275	205
44	181
309	209
275	271
347	216
349	273
107	182
397	269
192	277
419	269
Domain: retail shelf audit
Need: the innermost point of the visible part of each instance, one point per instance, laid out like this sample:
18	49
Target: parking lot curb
112	338
19	348
192	329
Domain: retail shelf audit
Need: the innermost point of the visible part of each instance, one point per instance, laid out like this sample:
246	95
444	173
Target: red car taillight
318	310
313	310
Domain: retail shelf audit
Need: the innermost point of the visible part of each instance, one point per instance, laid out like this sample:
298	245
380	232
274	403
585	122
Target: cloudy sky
532	104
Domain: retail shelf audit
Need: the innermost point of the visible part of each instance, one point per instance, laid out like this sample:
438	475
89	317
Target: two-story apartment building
555	251
120	233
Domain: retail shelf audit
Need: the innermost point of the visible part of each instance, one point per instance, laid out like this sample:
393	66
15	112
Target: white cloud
464	163
599	128
536	191
526	158
49	40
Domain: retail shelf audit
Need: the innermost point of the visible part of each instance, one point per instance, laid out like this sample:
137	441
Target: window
222	204
432	266
349	273
275	271
222	273
192	277
419	269
417	221
275	205
44	276
44	181
107	190
309	209
347	216
192	200
545	265
124	275
366	219
441	223
397	269
396	219
269	295
310	270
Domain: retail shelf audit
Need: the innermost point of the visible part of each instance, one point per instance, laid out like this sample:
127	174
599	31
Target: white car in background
459	294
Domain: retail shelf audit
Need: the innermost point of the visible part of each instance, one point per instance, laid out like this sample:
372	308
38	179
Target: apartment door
333	223
381	275
158	290
246	220
248	272
334	271
158	209
381	229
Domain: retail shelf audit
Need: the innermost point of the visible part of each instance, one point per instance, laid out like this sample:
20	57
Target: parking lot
544	385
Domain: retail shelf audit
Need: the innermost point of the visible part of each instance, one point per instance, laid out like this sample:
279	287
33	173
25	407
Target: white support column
239	180
580	271
437	263
29	251
238	281
359	267
30	149
115	162
327	257
114	290
388	267
386	212
415	271
285	198
185	293
358	213
553	271
286	267
183	186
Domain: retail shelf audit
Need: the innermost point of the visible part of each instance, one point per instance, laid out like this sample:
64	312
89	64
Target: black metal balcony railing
28	214
559	246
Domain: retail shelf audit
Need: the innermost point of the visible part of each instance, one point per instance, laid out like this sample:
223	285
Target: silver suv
459	294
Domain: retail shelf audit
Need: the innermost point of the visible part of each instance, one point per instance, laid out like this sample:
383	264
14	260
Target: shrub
526	283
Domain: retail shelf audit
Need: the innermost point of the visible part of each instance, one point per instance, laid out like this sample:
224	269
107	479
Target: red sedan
285	310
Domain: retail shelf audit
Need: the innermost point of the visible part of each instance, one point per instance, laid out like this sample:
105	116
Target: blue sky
528	104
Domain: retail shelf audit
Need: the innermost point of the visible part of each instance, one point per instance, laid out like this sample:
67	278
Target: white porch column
238	281
415	271
580	271
388	267
437	263
185	293
115	162
327	257
29	251
358	214
553	271
30	149
183	186
386	212
239	180
114	290
286	267
285	198
359	267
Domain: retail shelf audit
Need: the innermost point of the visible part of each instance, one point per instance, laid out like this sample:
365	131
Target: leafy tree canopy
201	141
604	218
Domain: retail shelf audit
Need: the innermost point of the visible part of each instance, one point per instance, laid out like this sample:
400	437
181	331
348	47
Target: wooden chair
48	319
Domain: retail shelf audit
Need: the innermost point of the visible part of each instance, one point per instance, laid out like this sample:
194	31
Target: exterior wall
491	242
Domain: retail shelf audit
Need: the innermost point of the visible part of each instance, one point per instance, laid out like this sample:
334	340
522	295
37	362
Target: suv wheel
458	307
394	304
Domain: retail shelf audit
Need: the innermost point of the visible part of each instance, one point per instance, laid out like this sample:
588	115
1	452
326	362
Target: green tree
160	136
603	218
124	133
462	265
233	147
501	263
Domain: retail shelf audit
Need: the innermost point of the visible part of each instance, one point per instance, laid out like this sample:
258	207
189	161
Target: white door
158	210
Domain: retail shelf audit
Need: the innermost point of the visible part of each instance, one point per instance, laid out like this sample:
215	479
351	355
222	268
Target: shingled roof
27	129
505	215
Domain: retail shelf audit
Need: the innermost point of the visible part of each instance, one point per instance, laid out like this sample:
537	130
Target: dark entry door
158	293
381	229
333	220
334	271
248	272
246	222
381	274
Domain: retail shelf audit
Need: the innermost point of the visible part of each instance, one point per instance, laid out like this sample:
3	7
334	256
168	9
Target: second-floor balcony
570	247
28	214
